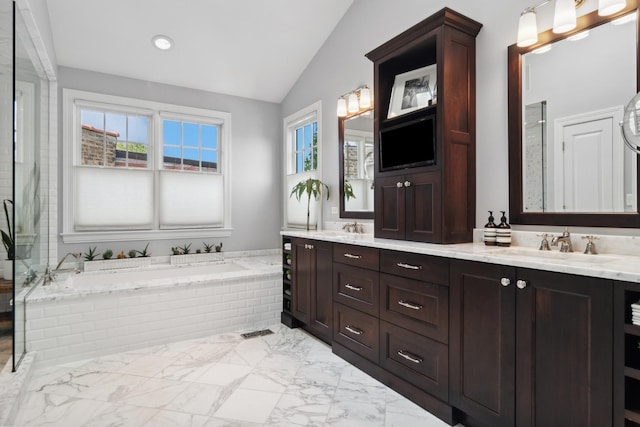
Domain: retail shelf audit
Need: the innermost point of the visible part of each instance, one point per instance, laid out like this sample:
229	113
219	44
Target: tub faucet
565	241
50	275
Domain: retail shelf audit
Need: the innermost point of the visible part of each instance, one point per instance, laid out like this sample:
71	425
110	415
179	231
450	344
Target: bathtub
92	314
154	276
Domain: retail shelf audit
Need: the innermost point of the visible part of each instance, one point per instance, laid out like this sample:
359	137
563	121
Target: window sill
136	235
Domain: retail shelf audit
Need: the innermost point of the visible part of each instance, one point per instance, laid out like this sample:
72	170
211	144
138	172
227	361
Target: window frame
71	101
289	150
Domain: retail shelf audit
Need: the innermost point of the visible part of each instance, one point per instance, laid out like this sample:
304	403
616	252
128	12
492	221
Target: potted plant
312	187
9	244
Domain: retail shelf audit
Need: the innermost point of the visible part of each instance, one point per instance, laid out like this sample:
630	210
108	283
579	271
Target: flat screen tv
409	144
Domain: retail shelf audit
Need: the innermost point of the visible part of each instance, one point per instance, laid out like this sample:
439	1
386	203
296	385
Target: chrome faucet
353	228
565	241
50	275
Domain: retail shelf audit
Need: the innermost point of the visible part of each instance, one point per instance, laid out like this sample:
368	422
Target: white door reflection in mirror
577	79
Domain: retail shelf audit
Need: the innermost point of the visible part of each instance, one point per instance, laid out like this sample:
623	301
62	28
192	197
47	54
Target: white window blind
113	198
191	200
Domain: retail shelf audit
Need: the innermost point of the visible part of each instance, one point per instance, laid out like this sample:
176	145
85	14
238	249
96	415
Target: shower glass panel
6	180
31	138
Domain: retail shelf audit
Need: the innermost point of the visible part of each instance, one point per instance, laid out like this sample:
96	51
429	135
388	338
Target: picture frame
413	91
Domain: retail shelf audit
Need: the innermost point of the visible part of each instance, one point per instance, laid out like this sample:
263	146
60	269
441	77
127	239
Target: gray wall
340	66
255	166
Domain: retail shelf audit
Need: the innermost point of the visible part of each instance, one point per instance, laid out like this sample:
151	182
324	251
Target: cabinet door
564	350
321	303
302	261
482	342
423	221
390	207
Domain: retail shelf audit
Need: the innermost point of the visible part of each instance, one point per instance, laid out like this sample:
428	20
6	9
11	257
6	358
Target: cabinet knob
399	184
505	281
308	246
521	284
407	184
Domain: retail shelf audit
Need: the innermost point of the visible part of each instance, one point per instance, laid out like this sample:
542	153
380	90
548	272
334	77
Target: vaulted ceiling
249	48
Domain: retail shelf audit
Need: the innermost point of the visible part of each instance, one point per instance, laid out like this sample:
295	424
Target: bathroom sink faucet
353	228
565	241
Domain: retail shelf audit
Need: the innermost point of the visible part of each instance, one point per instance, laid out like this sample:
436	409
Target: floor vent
257	333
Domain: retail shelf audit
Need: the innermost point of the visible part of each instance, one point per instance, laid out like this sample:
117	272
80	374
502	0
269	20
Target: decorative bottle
503	232
490	231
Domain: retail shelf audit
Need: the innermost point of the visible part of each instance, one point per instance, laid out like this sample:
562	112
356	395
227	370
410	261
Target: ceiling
250	48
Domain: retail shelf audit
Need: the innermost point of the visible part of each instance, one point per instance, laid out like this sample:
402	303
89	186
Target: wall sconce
354	101
564	17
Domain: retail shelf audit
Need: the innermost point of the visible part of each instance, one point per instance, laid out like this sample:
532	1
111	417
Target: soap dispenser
490	231
503	232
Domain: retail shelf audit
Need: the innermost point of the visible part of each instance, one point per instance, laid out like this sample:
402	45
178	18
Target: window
303	154
143	170
114	139
306	146
190	146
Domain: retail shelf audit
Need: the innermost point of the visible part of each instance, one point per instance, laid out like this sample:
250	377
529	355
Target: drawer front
358	256
419	360
356	331
414	305
357	288
415	266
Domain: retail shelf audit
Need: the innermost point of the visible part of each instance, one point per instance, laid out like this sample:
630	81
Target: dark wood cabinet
432	200
311	286
529	347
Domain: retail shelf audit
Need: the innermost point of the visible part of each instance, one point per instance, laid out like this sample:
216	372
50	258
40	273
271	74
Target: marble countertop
622	267
254	264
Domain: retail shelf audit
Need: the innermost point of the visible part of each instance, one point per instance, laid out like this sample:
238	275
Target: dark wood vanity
478	343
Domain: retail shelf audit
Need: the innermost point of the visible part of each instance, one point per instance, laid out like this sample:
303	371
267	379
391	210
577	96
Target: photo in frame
413	90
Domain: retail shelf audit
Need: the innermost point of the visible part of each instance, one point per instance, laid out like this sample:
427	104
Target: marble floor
287	378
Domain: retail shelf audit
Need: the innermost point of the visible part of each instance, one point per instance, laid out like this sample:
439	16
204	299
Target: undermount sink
555	255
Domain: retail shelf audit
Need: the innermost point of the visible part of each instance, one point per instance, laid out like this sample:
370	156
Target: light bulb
342	107
162	42
365	98
352	103
527	28
564	17
609	7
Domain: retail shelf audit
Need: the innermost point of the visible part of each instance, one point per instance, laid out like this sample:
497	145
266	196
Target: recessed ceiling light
162	42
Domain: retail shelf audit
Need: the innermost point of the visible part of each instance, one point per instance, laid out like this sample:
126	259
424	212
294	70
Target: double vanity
485	336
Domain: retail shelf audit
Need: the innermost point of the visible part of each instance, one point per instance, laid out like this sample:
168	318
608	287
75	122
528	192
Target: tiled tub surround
98	313
618	256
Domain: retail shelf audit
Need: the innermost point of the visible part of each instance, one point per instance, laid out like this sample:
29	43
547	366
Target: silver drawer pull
353	288
410	305
409	266
410	357
352	256
353	330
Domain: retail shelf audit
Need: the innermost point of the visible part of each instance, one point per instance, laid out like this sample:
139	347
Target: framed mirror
567	94
355	135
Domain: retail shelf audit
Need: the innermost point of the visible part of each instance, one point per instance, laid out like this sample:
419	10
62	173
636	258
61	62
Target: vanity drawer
357	331
415	266
419	360
415	305
357	288
358	256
